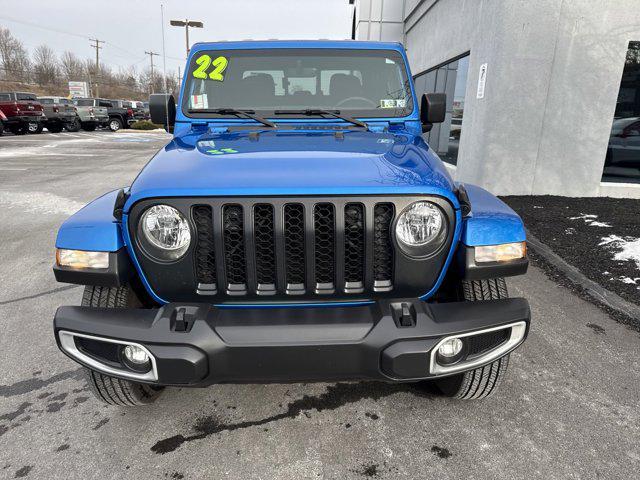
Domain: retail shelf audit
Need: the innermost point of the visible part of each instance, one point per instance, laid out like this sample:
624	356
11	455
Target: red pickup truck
23	111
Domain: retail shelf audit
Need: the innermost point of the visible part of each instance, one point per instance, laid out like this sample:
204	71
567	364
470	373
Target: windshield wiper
318	111
238	113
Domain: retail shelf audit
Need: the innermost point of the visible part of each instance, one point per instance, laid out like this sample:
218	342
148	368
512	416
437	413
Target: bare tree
72	67
14	59
45	66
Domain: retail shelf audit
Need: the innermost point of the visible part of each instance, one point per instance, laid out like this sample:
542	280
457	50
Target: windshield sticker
393	103
220	151
204	62
199	102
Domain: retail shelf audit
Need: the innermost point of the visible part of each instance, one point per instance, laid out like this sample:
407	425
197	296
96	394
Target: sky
131	27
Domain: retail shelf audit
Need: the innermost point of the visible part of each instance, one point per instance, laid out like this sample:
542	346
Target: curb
593	289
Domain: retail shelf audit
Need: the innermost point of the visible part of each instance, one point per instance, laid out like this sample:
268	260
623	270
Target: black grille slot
354	247
294	239
205	260
234	251
486	341
265	248
382	247
324	247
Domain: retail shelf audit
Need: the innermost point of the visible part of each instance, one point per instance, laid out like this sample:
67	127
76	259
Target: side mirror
162	108
433	109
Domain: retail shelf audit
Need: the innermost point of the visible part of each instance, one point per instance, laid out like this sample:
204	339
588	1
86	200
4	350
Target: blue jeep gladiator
297	227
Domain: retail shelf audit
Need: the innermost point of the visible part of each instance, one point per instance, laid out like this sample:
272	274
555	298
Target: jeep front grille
294	249
306	247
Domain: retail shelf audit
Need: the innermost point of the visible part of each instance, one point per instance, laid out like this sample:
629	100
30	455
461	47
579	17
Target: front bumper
199	344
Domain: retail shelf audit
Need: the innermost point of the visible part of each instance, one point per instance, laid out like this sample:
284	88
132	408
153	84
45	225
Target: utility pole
97	47
186	24
151	54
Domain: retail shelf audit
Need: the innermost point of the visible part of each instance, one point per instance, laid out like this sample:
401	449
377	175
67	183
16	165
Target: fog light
451	348
135	358
136	354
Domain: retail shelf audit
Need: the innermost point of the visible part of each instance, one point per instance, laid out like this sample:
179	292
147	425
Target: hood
292	162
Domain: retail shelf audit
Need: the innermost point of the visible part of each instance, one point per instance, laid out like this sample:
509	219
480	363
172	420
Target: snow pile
628	248
591	220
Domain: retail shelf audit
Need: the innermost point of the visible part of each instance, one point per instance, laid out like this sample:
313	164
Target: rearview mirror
162	108
433	109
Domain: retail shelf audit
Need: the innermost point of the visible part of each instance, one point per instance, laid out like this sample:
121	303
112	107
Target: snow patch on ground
591	220
40	202
628	249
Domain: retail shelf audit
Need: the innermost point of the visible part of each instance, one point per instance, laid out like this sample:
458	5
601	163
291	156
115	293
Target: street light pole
186	24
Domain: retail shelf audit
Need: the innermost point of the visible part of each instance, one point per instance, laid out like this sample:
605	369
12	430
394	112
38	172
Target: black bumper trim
255	345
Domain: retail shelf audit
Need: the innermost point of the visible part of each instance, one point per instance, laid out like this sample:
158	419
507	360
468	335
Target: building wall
554	68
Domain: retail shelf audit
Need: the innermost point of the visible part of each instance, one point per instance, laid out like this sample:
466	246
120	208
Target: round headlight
166	232
419	224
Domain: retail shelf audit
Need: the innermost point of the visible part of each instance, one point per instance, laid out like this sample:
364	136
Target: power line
79	35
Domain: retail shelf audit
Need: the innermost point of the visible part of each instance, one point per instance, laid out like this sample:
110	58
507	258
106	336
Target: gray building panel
554	70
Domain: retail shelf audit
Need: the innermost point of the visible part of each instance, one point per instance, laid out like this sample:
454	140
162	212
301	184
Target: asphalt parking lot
569	407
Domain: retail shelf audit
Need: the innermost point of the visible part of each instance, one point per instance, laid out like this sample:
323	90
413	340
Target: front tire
73	126
483	381
35	127
115	124
107	389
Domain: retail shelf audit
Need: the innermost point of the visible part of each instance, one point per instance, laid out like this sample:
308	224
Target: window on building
622	163
450	78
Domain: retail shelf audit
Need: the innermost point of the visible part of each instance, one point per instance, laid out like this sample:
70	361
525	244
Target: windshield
363	83
87	102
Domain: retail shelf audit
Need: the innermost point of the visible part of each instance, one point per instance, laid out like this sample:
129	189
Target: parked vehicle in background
120	113
61	114
90	113
145	106
3	119
139	111
23	111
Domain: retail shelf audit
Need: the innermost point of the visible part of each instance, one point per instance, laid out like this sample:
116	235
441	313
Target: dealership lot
569	407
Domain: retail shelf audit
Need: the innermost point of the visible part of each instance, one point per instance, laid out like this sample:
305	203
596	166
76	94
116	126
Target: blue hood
293	162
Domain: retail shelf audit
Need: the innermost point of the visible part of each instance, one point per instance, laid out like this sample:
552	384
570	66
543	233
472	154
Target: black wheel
56	128
18	129
115	124
107	389
34	127
483	381
89	127
73	126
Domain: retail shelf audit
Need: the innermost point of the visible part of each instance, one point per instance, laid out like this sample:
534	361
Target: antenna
164	61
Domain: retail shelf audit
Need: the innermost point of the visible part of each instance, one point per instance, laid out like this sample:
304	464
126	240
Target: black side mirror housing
433	109
162	108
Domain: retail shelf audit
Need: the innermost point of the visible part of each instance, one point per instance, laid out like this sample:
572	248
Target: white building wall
554	68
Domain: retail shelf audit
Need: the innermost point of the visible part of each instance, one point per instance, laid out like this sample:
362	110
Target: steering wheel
361	99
